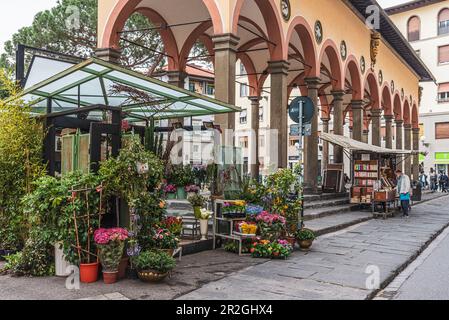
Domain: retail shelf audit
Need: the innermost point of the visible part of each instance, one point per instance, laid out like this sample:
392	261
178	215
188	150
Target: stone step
325	196
325	203
337	222
311	214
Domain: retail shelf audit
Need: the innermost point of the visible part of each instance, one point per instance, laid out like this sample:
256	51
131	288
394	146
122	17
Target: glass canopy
96	82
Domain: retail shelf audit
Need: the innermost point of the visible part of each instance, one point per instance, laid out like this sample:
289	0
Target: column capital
388	117
375	113
225	41
357	104
325	120
312	82
365	131
399	123
408	126
254	99
416	130
108	54
338	94
278	67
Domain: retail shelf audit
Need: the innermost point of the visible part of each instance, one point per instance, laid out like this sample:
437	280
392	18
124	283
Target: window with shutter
413	29
443	54
442	130
443	92
443	22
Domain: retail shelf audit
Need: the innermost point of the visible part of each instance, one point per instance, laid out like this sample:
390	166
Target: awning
95	82
354	145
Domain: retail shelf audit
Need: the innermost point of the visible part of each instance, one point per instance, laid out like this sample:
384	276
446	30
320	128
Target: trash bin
417	191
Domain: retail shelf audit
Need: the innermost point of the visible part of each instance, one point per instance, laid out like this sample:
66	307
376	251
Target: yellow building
323	49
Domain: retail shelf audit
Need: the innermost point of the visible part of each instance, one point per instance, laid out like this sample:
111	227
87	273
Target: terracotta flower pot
122	268
89	272
291	240
110	277
305	245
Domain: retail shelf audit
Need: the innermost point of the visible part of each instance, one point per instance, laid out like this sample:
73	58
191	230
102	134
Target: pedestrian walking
433	180
445	183
404	189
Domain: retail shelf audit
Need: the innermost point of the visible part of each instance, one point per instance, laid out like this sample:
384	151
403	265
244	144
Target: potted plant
234	209
170	191
279	249
110	244
305	238
166	241
197	201
270	225
153	266
172	224
192	190
204	222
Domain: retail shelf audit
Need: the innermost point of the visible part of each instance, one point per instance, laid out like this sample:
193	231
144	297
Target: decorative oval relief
362	64
343	50
286	9
392	86
318	32
381	77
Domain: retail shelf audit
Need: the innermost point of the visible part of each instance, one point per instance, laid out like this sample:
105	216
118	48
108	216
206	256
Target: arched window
414	28
443	21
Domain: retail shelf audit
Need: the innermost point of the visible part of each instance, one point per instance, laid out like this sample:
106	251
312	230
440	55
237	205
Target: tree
59	30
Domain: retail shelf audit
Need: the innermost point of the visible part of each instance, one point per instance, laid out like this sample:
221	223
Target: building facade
426	26
355	75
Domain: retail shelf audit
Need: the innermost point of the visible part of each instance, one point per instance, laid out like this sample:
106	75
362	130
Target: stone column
357	119
365	136
255	151
311	170
278	107
375	127
408	146
415	167
399	139
225	48
325	153
177	78
108	54
388	131
338	128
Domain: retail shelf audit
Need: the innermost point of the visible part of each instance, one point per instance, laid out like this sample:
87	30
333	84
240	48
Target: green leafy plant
266	249
305	234
154	260
197	200
164	239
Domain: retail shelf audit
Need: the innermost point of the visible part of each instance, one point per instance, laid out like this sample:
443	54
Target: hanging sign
304	106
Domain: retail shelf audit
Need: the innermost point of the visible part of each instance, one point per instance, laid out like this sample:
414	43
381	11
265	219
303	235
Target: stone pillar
388	131
415	167
399	145
278	107
177	78
108	54
365	136
357	119
255	151
225	48
325	153
338	110
375	127
408	146
311	170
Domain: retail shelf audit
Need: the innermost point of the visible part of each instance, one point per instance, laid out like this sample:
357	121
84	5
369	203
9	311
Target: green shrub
305	234
154	260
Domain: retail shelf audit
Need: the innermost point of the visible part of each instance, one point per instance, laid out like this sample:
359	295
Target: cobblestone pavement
334	269
336	266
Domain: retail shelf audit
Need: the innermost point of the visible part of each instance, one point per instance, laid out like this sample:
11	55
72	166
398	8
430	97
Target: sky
15	14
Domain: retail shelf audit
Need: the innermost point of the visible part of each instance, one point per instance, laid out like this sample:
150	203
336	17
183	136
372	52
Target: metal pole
301	165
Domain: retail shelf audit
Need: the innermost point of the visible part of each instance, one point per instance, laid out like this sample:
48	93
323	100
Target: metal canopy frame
89	83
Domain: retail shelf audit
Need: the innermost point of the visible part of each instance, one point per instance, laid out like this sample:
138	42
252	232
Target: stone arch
415	117
386	99
330	49
397	107
371	83
273	22
352	68
406	112
195	35
305	33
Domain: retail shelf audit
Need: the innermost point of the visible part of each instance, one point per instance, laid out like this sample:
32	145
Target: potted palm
305	238
197	201
110	244
153	266
204	223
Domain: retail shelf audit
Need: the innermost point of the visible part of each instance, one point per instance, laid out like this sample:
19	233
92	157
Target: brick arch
330	49
415	117
397	107
196	34
372	83
353	69
253	82
386	99
406	112
273	22
305	33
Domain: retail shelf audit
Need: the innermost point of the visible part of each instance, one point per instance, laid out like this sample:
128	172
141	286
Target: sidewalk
335	268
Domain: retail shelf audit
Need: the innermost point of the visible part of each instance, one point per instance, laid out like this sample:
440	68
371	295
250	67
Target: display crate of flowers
170	191
172	224
271	225
165	240
279	249
192	190
234	209
244	228
252	211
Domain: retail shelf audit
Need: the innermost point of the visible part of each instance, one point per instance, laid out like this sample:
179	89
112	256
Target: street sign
308	110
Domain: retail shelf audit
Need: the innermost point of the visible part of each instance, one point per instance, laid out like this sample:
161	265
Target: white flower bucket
204	228
61	263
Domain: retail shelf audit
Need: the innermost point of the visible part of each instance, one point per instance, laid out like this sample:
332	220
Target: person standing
404	189
433	180
445	182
